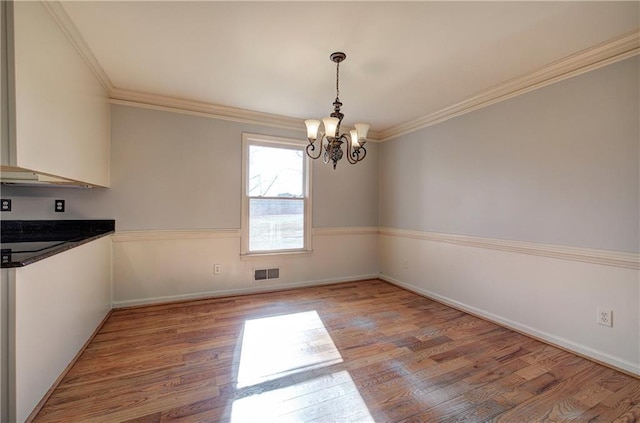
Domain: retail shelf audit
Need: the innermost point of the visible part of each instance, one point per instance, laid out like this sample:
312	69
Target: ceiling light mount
337	57
331	140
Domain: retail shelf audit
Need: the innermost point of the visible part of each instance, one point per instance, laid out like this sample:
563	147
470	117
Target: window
276	214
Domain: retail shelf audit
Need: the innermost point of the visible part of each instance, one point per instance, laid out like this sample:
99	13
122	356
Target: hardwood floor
363	351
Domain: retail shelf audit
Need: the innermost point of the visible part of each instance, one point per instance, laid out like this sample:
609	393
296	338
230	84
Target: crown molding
196	108
595	57
614	50
69	29
214	111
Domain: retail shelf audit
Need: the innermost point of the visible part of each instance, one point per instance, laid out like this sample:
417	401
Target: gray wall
559	165
177	171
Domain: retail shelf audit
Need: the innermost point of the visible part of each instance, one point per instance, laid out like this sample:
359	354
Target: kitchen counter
27	241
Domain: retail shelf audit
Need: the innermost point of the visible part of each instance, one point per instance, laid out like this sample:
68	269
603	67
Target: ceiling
405	60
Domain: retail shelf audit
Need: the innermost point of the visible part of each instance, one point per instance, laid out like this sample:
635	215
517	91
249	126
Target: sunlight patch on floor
331	398
278	346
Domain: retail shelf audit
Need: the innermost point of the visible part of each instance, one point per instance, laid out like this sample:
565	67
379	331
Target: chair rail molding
168	235
603	257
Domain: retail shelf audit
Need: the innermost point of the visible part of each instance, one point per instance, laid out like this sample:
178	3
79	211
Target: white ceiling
405	60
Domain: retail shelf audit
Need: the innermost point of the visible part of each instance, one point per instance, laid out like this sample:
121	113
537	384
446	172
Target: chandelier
331	139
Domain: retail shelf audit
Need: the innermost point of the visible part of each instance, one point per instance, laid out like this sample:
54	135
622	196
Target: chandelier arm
355	154
352	157
364	153
311	147
351	154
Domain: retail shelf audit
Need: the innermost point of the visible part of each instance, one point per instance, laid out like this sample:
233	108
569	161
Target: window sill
279	255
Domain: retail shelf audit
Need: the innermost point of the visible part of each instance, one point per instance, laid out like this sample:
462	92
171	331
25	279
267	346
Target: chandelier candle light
331	140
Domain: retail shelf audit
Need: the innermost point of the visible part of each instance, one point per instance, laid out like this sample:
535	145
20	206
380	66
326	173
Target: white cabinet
57	121
55	305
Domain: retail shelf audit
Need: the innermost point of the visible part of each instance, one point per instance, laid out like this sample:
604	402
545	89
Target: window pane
276	224
275	172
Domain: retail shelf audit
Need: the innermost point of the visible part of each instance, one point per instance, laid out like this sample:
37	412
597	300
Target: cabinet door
4	99
60	108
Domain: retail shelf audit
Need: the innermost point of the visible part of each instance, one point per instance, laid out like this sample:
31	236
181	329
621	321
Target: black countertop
27	241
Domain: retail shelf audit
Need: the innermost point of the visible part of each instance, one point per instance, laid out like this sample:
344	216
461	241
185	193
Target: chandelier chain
338	80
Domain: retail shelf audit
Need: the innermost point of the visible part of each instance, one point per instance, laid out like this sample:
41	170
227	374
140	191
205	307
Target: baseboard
240	291
608	360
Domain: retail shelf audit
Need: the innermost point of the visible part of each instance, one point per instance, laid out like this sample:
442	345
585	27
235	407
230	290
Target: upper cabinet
55	112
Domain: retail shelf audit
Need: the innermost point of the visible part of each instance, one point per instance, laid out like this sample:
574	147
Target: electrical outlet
5	204
217	269
605	317
405	264
59	206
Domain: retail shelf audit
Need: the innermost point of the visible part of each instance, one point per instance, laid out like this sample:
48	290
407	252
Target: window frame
249	139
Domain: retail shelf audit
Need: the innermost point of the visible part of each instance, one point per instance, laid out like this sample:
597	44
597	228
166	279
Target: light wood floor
364	351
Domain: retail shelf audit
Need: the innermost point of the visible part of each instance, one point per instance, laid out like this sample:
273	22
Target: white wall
545	295
157	266
526	212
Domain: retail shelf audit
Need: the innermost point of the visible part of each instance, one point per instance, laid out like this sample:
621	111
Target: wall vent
263	274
